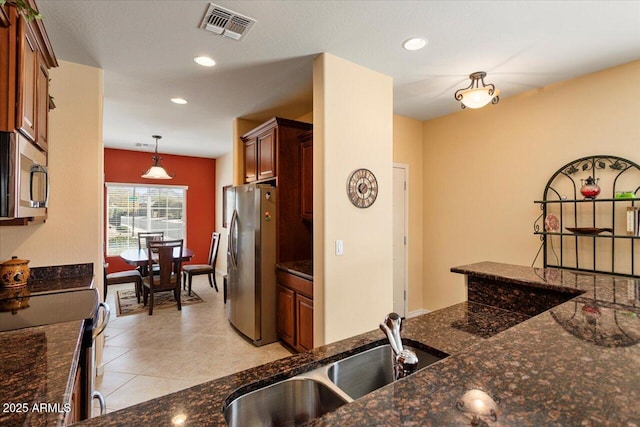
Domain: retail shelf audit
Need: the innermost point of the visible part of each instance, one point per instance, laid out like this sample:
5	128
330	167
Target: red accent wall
198	173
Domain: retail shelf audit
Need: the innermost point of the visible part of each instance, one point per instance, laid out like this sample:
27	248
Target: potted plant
24	8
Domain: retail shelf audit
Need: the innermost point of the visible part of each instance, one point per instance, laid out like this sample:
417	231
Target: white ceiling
146	49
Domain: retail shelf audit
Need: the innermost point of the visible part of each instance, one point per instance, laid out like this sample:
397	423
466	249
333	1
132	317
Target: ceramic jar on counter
14	273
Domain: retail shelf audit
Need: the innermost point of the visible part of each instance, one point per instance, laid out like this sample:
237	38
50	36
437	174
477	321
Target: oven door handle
105	319
103	404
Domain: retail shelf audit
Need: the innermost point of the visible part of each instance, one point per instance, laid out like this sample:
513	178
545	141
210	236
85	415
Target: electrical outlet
339	247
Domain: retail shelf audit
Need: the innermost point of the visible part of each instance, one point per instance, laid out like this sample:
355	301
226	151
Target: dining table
140	257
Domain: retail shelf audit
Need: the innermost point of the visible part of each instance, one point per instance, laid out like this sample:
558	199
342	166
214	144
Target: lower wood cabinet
75	409
285	314
294	311
304	323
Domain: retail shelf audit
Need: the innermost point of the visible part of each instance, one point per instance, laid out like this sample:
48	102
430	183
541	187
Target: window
132	208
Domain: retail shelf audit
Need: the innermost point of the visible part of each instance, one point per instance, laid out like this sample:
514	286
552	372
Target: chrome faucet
405	360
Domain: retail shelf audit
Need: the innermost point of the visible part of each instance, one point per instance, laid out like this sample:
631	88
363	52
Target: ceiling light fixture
414	43
180	101
476	96
156	171
205	61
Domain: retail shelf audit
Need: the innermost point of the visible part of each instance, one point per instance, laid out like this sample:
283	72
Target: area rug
127	304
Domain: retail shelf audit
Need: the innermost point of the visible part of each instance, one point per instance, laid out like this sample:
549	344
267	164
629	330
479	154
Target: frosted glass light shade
478	97
156	172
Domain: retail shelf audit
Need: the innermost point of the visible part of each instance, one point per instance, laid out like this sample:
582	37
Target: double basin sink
309	395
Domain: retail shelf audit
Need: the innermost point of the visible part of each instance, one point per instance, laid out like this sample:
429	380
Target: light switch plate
339	247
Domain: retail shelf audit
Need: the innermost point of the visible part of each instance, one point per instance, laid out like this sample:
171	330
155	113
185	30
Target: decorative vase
14	273
590	188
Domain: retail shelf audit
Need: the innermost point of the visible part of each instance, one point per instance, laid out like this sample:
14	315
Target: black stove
49	308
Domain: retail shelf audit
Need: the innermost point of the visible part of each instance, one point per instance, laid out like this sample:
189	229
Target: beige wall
353	128
73	231
224	177
407	149
483	169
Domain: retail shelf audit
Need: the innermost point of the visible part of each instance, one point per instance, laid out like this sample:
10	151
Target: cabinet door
306	180
285	311
8	72
304	323
26	114
250	160
42	105
75	401
267	154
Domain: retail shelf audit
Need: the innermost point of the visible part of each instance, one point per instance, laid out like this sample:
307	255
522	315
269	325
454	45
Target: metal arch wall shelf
577	249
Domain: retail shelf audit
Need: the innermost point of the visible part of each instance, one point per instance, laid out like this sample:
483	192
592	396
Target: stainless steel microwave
24	179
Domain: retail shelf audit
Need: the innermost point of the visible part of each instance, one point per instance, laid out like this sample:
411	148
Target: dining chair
168	275
144	237
127	276
188	271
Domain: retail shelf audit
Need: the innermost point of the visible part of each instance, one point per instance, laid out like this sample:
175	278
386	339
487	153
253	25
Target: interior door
400	240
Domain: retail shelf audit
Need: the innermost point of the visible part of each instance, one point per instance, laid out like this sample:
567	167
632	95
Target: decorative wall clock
362	188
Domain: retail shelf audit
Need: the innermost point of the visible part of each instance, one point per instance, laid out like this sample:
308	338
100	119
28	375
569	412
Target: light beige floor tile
107	384
149	356
111	352
143	388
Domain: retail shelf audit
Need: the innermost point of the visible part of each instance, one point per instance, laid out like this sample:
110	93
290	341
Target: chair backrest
144	237
213	249
162	252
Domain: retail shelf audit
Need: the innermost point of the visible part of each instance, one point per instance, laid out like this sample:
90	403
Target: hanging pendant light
156	171
476	96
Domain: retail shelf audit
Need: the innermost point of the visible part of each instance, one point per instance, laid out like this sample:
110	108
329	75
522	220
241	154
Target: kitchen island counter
544	369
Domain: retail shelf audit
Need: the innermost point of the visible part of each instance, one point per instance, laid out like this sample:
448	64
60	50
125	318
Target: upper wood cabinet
267	148
26	56
27	81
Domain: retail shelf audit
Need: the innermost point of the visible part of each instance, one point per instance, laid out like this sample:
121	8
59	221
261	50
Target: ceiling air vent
226	22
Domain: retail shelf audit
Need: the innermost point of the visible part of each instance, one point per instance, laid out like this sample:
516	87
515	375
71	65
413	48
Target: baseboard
416	313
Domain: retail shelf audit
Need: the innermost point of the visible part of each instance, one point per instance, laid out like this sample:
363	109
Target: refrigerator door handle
232	241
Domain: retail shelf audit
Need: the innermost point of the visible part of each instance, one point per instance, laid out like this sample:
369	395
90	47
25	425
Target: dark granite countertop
37	367
38	364
302	269
535	369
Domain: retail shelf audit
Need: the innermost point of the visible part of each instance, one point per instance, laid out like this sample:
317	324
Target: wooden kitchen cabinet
266	155
26	56
42	106
75	408
285	314
306	175
304	323
294	311
268	148
250	160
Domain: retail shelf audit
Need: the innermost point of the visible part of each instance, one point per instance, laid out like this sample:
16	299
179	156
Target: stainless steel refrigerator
251	258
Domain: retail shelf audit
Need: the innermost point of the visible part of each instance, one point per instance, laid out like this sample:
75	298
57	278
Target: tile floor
149	356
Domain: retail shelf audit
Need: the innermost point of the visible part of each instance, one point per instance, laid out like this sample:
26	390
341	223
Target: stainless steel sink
291	402
365	372
309	395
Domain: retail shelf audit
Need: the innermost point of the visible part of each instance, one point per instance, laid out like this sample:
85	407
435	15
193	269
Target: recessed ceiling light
414	43
180	101
205	61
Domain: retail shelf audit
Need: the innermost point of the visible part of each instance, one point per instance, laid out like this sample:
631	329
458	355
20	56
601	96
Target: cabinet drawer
298	284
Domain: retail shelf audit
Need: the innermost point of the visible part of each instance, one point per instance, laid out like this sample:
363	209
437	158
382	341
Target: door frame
405	167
